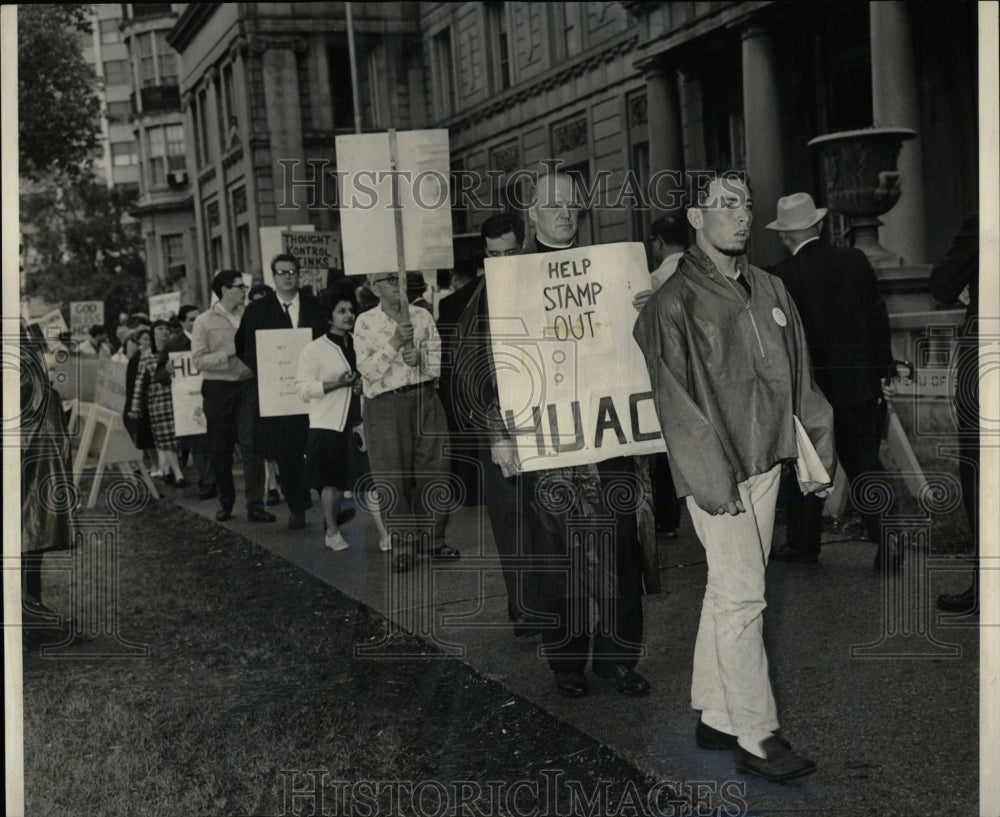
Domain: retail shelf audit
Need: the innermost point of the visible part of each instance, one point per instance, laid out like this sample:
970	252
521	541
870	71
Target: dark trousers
858	432
618	638
230	411
666	505
504	504
285	440
197	444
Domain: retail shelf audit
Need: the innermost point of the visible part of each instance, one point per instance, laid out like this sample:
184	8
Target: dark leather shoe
273	498
224	514
571	684
297	521
708	738
964	603
780	765
256	514
208	493
628	681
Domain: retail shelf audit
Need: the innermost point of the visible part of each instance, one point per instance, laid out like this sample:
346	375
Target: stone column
762	124
894	103
666	148
284	121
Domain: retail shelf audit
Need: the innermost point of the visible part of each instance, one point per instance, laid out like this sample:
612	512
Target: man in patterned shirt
398	351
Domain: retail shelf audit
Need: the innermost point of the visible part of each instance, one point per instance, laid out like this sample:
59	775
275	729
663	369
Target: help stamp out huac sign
572	382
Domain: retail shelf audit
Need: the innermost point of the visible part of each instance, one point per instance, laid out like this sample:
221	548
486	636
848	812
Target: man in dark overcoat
283	439
847	328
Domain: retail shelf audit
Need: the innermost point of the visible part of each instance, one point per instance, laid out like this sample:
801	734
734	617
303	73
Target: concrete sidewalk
871	682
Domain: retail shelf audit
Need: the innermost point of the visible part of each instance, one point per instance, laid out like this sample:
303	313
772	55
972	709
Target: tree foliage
58	107
83	246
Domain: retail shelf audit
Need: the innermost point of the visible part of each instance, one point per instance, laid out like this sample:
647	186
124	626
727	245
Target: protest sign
51	325
164	307
109	387
317	254
185	391
83	315
367	205
572	382
277	360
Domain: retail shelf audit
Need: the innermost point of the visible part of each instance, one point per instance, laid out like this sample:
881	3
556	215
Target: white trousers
730	683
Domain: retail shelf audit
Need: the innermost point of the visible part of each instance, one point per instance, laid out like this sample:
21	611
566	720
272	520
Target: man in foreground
729	368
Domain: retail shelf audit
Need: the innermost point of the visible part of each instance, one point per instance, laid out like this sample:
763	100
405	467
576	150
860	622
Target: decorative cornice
231	158
553	80
189	24
260	43
238	46
206	175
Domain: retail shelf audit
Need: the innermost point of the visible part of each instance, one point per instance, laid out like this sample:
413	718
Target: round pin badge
779	317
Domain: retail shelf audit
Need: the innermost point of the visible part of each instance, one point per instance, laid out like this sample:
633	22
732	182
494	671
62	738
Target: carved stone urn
862	182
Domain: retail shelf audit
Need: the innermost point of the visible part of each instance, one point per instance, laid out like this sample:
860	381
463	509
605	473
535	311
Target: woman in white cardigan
328	380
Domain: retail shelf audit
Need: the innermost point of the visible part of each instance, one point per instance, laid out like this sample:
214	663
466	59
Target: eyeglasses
286	272
244	287
388	279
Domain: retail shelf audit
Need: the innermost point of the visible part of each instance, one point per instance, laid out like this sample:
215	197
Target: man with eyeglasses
399	358
229	395
197	444
283	439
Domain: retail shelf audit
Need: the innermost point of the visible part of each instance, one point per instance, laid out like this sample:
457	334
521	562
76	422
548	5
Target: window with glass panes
116	72
109	32
173	255
124	154
166	151
166	60
119	113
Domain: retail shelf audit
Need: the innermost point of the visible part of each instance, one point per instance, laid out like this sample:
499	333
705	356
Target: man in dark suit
197	444
283	439
847	328
463	449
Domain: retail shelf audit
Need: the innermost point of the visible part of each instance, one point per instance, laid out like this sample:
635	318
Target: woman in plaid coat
152	399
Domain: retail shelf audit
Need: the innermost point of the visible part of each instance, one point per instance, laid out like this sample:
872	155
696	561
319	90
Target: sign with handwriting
277	358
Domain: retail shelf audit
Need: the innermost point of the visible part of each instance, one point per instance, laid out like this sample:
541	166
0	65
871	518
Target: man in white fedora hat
847	328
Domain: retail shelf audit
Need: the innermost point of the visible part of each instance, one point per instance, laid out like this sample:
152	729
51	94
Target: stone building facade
265	88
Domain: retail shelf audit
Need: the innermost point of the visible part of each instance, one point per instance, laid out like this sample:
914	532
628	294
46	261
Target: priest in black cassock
283	439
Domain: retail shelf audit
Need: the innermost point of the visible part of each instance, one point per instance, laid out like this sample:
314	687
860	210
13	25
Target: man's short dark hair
672	230
702	181
97	330
284	256
259	289
225	278
182	313
502	223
